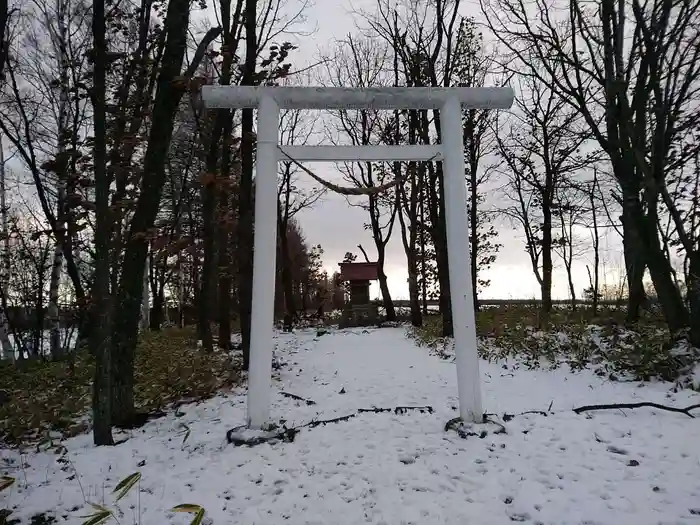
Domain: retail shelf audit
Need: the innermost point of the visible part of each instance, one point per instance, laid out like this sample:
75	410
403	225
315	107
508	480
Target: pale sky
338	227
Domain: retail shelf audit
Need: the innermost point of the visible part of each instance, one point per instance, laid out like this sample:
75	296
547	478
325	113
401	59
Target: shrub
576	339
45	397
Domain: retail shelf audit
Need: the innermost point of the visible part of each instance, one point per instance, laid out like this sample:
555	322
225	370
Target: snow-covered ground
634	467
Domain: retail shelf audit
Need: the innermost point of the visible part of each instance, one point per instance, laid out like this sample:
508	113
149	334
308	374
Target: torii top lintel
311	97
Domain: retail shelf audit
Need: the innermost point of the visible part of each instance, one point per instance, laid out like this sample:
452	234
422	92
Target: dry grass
48	396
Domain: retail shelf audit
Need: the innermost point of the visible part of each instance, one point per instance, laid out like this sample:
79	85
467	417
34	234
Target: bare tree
423	34
292	198
44	117
170	86
474	67
217	183
30	265
408	203
569	212
541	153
361	62
633	77
592	192
59	41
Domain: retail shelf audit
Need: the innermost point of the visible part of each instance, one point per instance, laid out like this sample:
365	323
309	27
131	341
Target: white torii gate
269	101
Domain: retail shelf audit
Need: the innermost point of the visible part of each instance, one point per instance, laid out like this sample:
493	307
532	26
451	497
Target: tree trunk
423	270
424	287
595	281
224	242
180	292
208	271
305	295
167	99
694	297
221	127
440	244
286	270
633	246
245	214
409	238
380	244
414	294
53	311
207	291
101	299
145	320
567	239
8	352
60	46
669	295
40	318
4	48
441	258
572	288
436	211
384	288
245	234
474	220
157	315
547	264
225	197
438	230
225	278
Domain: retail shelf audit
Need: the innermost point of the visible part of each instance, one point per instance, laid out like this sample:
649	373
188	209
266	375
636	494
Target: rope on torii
344	190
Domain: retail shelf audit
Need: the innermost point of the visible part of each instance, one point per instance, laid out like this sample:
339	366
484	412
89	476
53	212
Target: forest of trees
133	204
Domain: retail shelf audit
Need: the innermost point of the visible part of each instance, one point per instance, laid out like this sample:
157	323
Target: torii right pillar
458	257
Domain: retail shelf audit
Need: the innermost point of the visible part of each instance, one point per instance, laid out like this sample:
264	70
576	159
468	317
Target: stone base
480	430
366	315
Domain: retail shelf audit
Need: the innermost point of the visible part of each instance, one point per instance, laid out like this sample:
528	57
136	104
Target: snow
610	467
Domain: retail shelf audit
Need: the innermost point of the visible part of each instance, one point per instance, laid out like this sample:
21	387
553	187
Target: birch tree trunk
180	291
8	351
54	286
145	301
180	270
60	46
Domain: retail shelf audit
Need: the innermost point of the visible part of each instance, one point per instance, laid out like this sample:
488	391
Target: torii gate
450	102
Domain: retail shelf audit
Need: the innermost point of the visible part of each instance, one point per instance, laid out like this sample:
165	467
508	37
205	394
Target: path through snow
639	467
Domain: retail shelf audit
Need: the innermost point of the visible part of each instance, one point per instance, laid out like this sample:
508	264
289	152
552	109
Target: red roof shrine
358	271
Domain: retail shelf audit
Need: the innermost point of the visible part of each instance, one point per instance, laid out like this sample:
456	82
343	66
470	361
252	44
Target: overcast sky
338	227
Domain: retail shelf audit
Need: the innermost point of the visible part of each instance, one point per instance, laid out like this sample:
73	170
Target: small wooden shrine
359	311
